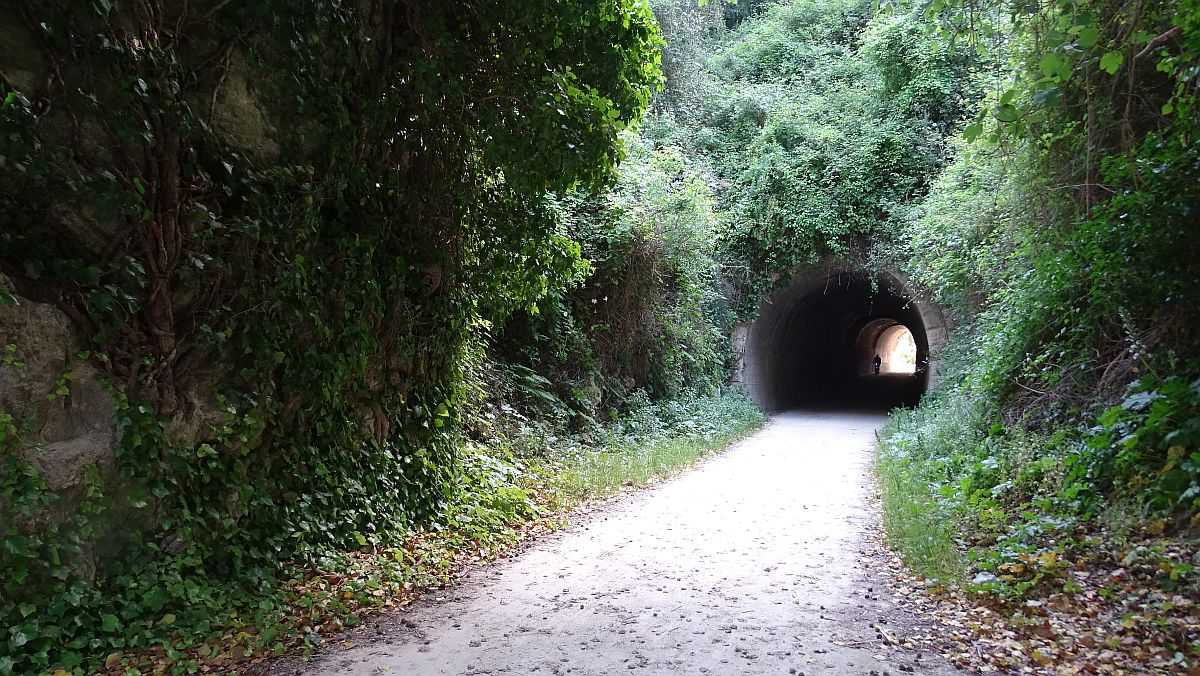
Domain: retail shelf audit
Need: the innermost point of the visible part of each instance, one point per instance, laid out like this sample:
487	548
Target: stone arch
881	337
807	345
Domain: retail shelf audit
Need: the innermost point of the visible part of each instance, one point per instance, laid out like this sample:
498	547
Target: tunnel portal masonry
815	341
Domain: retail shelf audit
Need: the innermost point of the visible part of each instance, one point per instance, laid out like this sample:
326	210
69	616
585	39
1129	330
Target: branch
1026	387
1158	42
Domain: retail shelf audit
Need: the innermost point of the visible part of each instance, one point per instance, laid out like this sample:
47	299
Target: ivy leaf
102	300
27	609
972	131
90	275
1111	62
109	622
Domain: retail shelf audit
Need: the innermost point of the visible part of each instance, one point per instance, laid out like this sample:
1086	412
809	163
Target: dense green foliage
1065	237
372	282
278	224
650	317
821	125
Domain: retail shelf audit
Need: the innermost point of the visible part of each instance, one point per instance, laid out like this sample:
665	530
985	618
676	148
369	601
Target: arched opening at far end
898	350
885	346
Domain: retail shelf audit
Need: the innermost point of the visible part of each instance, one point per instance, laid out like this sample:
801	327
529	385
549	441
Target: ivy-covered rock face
274	225
39	365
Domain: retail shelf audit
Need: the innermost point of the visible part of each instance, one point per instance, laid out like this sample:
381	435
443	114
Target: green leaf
102	300
1048	97
1088	36
1055	67
27	609
1007	113
1111	62
109	622
156	598
90	275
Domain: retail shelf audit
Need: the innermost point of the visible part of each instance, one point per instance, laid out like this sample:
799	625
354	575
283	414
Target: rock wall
51	390
50	387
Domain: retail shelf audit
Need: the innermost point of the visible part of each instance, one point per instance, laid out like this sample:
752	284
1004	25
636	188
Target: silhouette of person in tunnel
877	362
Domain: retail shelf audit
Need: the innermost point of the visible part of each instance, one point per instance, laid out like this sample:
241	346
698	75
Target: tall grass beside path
658	442
918	453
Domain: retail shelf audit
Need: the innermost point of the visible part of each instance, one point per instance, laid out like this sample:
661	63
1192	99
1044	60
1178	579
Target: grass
921	452
636	464
917	525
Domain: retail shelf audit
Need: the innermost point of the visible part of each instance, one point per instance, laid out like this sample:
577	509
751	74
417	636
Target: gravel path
753	563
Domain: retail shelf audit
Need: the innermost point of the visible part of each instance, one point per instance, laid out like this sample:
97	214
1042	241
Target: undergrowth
1062	239
655	442
1009	501
517	483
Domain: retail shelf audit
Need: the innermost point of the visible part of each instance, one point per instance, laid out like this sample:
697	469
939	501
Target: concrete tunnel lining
814	340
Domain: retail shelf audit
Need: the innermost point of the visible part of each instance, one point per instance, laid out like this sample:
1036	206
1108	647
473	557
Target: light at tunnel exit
896	350
904	356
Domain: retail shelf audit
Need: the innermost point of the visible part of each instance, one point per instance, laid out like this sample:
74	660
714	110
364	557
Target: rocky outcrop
56	395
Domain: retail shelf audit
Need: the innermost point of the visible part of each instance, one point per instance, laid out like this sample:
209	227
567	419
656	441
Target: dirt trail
752	563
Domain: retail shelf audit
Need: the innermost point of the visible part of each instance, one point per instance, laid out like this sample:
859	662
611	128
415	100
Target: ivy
279	227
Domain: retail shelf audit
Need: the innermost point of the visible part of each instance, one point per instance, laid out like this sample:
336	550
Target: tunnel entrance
816	342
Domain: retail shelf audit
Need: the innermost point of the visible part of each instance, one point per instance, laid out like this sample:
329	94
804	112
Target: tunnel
836	338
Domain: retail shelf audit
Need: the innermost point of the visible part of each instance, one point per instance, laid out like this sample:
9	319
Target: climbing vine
824	122
276	225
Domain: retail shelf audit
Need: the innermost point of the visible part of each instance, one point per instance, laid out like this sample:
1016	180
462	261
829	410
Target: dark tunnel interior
815	346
